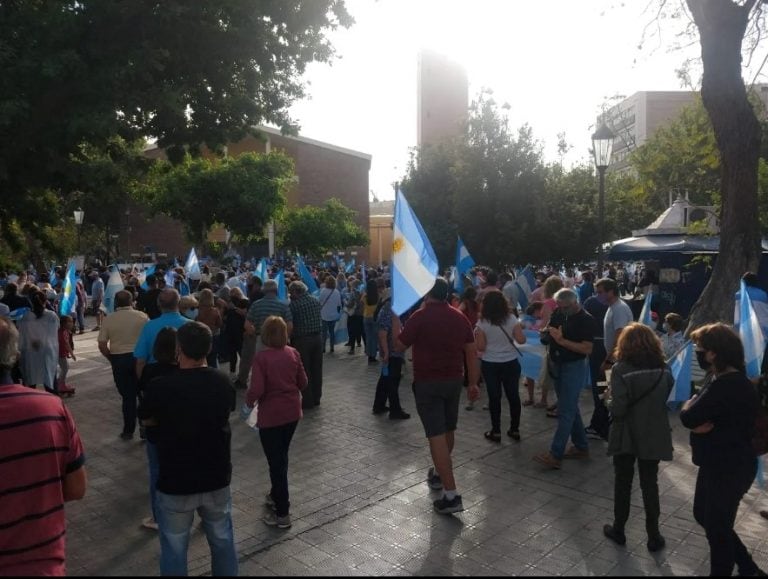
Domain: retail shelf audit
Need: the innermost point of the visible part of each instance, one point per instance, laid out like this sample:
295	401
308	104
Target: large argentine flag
414	265
751	334
114	285
464	263
192	266
526	283
68	300
306	277
680	366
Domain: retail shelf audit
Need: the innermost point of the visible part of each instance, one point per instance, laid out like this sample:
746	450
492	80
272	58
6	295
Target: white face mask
191	314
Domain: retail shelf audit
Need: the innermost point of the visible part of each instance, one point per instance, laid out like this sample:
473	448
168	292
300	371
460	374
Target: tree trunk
722	25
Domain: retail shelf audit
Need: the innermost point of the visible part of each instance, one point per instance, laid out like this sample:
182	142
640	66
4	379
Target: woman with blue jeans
330	309
370	303
496	332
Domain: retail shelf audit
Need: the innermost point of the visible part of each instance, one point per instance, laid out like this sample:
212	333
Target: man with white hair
569	334
42	468
307	325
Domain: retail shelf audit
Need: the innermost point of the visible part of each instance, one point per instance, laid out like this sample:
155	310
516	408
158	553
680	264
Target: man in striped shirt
41	467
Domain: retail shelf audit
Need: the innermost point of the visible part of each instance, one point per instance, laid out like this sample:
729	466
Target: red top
438	334
277	378
64	339
39	445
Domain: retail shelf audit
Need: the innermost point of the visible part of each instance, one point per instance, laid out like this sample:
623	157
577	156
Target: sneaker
150	523
446	507
547	460
656	543
433	479
399	415
593	434
270	502
614	535
576	452
280	522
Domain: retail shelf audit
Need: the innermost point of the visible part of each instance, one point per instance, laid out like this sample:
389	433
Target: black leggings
275	441
504	375
624	473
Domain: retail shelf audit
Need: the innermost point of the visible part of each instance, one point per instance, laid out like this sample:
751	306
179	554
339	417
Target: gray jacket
639	408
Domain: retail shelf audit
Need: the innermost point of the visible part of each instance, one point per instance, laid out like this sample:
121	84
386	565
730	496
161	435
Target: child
277	379
66	350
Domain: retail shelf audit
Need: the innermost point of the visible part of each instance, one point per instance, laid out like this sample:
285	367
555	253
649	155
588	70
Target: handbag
511	341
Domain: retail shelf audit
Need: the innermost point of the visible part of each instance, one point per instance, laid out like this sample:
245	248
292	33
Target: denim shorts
438	405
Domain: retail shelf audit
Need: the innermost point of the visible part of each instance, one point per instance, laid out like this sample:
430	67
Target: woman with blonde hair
210	315
551	286
277	379
640	387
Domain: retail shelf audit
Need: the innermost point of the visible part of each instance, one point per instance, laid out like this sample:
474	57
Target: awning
634	247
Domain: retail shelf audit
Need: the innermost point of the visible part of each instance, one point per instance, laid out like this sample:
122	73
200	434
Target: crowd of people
169	355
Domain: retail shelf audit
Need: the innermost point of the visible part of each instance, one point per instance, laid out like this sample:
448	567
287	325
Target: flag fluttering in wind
464	263
751	334
261	271
680	365
192	266
414	265
645	314
282	290
526	283
143	277
350	266
68	301
306	277
170	278
52	278
114	285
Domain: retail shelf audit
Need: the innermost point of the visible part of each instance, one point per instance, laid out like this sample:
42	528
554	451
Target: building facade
442	98
381	232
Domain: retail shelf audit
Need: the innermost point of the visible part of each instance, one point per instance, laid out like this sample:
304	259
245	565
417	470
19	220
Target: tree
189	74
314	231
243	193
722	25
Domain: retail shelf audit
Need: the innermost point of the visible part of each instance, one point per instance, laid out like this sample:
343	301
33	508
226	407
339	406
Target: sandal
513	434
494	436
527	402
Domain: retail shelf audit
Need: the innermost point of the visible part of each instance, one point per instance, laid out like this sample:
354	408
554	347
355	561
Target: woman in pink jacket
277	379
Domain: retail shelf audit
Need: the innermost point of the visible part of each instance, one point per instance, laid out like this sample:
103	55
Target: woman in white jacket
330	309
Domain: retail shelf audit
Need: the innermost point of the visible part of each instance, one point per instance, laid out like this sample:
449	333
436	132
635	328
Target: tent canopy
635	247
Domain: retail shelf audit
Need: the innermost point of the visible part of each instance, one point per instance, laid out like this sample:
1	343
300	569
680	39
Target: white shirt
619	315
330	302
497	345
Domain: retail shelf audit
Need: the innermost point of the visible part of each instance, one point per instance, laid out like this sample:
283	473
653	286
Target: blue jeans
329	331
570	378
176	513
154	473
371	337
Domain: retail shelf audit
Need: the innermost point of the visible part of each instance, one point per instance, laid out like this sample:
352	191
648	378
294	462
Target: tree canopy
315	231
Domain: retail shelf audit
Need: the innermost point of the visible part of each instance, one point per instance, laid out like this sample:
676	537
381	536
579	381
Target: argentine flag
192	266
750	333
306	277
645	314
114	285
170	278
68	300
464	263
143	276
261	271
414	265
680	366
350	266
526	283
282	290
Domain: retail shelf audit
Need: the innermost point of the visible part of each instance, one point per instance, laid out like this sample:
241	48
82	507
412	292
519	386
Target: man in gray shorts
441	337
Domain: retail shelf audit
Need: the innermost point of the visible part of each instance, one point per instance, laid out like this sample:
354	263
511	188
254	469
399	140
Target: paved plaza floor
360	505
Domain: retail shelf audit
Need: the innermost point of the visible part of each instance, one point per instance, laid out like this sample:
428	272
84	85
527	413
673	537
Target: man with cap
259	311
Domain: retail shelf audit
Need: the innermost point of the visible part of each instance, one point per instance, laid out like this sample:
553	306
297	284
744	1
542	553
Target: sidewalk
360	505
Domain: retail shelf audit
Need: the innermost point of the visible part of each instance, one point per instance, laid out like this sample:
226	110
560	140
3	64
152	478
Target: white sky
555	62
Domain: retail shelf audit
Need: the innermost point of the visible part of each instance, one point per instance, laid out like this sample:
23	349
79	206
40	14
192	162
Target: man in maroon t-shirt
441	336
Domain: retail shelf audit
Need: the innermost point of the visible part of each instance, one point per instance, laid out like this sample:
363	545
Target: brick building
322	171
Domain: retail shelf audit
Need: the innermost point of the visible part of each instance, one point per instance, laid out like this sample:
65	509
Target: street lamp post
79	215
602	145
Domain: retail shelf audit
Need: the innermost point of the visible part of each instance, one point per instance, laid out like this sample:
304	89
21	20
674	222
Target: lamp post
602	145
79	215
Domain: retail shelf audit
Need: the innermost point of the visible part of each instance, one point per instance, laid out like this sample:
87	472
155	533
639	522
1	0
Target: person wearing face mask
722	419
570	334
672	339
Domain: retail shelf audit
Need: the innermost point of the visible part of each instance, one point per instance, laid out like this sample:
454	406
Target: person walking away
164	352
147	302
277	380
305	312
640	387
34	522
82	302
168	300
721	418
191	408
39	344
330	310
97	297
66	351
234	327
210	315
119	333
387	388
496	332
370	301
440	336
569	334
354	307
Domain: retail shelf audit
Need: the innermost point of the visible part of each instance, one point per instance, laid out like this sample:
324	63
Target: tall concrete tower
443	96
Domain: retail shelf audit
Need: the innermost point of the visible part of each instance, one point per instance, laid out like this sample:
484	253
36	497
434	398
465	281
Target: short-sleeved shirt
267	306
618	316
151	329
384	322
40	446
305	311
578	327
438	334
97	290
498	348
122	329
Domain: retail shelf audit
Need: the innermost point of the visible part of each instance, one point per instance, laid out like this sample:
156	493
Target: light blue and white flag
526	283
68	301
464	263
350	266
750	333
282	290
52	278
184	287
114	285
170	278
143	276
414	265
261	270
17	314
645	314
192	266
365	279
680	365
306	276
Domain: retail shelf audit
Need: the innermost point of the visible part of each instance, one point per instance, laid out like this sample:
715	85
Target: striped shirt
39	446
267	306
